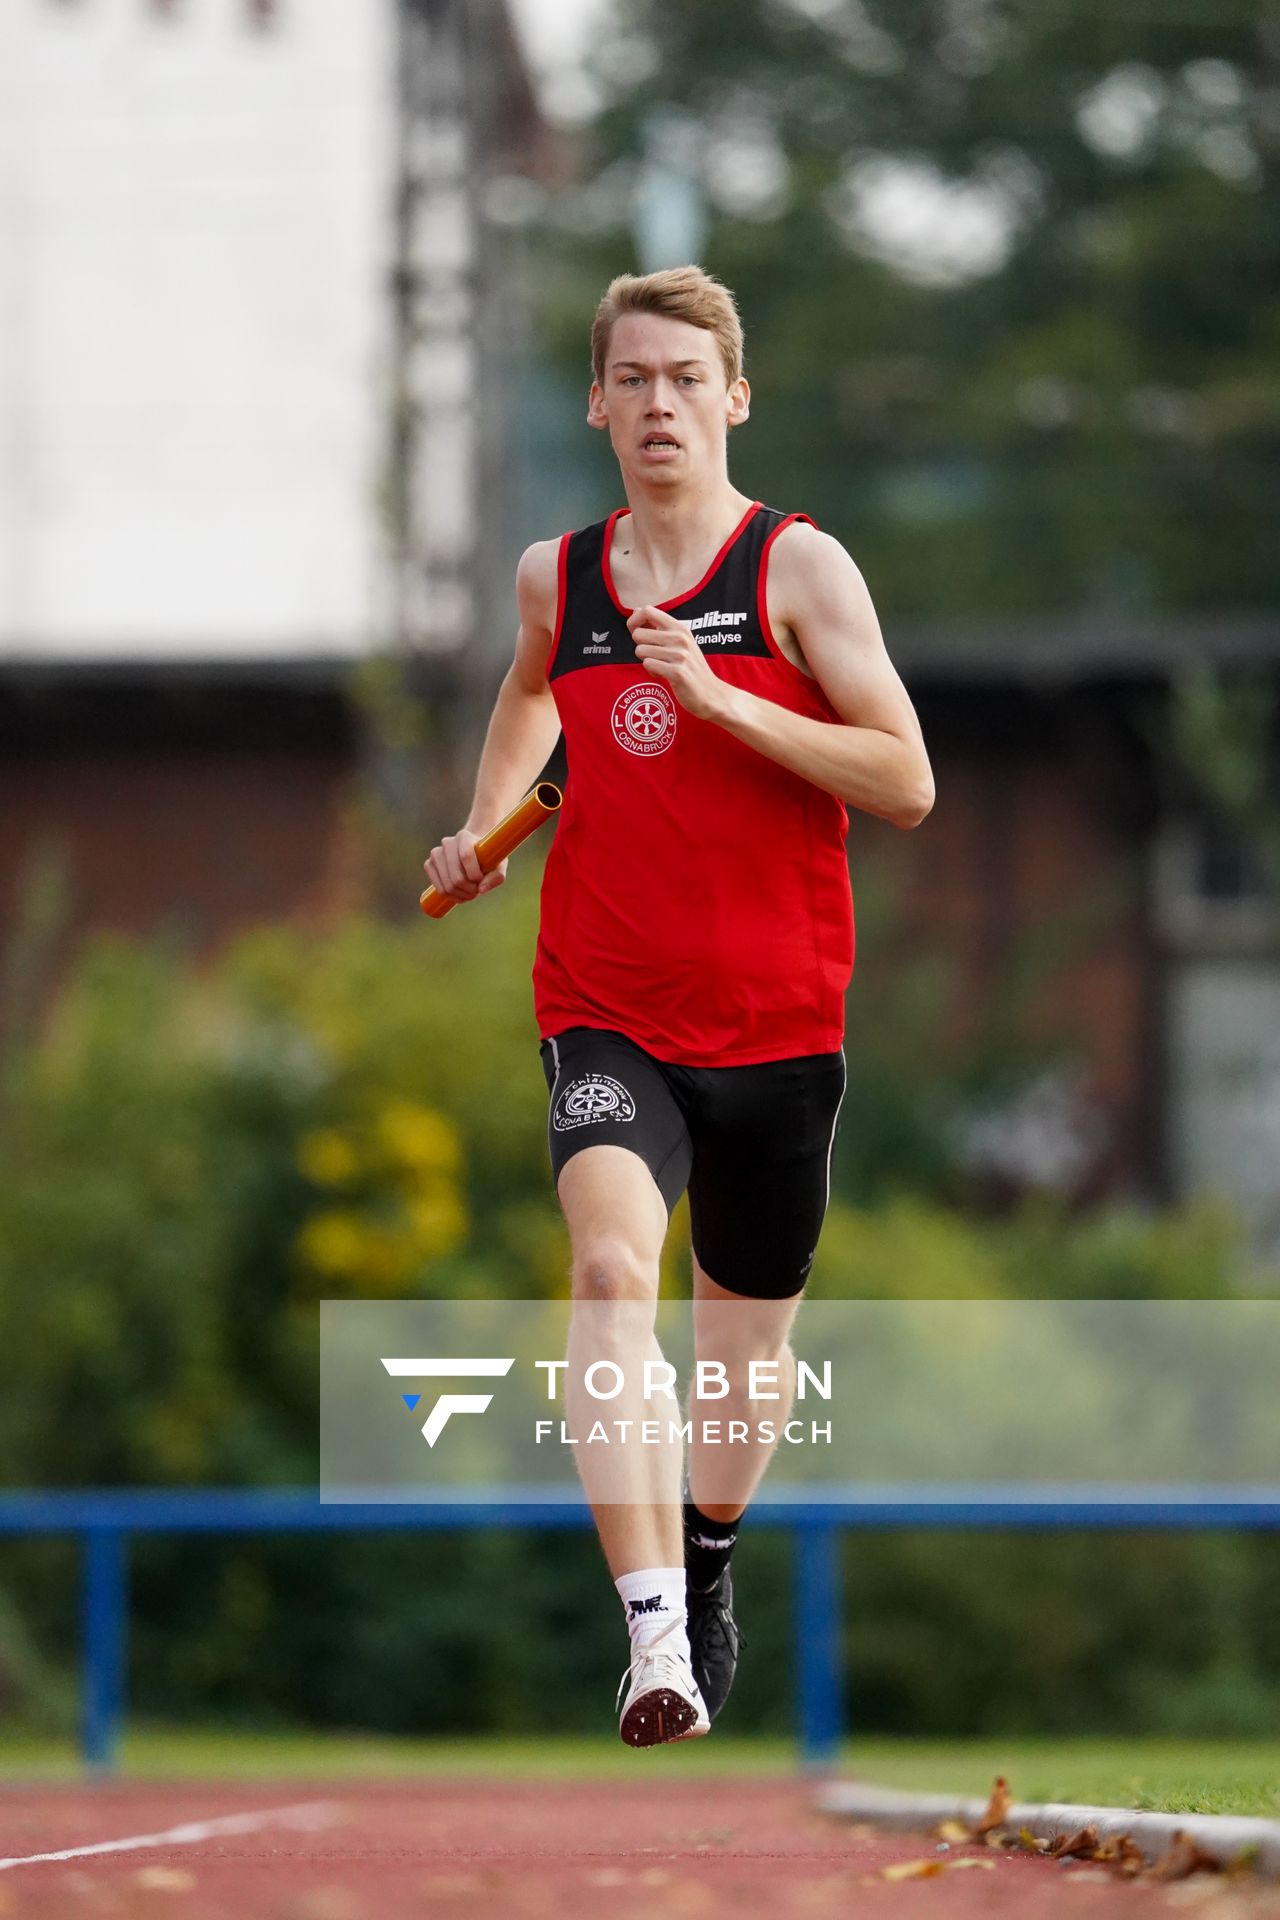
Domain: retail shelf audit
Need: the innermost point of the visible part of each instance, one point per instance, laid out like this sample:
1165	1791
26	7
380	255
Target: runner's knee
609	1268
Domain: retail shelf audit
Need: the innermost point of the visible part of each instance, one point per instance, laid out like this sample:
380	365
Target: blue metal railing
106	1520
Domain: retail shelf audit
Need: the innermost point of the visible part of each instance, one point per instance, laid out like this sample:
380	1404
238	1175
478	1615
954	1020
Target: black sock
707	1546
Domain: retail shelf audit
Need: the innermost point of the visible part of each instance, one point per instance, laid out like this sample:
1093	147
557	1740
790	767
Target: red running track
651	1850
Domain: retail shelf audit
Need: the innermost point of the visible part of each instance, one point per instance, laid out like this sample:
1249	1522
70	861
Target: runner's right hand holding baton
462	867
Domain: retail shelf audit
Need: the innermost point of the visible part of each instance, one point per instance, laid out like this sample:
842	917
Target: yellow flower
333	1243
389	1261
327	1157
439	1222
419	1138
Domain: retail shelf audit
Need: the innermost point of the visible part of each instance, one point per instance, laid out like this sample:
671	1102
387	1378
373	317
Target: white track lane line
305	1818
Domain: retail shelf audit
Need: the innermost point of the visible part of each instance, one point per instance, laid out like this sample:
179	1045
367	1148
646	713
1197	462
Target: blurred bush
911	1248
193	1157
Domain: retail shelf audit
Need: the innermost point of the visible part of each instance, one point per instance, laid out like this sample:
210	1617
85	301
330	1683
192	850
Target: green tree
1010	272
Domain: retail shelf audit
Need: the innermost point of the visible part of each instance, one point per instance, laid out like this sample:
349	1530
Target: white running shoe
663	1702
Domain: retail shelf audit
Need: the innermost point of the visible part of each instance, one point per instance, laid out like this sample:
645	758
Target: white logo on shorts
644	718
595	1096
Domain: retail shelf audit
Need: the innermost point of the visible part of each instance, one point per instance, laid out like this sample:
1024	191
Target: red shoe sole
656	1717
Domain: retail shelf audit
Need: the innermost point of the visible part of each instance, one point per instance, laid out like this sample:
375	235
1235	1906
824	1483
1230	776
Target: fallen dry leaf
1123	1855
928	1869
1183	1859
910	1870
997	1808
165	1879
1118	1856
1082	1845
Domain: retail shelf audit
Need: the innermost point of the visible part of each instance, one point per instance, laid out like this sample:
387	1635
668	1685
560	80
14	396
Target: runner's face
665	401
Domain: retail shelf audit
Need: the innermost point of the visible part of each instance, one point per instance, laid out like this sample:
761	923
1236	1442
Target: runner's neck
661	548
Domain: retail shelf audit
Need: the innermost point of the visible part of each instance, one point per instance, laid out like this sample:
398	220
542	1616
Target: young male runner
724	691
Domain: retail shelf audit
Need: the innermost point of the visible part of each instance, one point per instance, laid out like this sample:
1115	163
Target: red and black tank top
696	894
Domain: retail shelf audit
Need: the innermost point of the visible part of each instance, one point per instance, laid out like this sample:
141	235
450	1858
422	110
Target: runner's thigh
761	1170
607	1092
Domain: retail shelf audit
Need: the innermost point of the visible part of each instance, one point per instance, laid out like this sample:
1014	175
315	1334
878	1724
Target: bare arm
522	731
874	756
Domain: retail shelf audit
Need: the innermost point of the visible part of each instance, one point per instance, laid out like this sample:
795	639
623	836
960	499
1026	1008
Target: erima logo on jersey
600	643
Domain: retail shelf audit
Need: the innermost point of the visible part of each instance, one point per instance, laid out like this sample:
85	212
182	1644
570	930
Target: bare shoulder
812	564
537	585
819	604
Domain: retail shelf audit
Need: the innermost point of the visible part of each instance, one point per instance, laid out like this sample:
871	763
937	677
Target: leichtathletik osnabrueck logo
593	1096
416	1368
644	718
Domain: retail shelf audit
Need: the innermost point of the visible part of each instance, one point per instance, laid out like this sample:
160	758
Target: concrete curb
1222	1835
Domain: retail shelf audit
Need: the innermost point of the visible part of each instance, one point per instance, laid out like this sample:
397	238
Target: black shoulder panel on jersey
593	632
723	612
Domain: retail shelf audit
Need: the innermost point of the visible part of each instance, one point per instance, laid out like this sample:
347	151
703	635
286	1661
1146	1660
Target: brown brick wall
202	842
1027	879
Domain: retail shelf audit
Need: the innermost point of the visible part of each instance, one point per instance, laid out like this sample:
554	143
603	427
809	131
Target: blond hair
680	293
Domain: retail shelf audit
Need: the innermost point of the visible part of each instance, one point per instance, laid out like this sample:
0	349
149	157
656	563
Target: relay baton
493	849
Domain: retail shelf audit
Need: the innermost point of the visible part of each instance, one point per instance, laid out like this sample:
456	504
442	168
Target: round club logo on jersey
644	718
593	1096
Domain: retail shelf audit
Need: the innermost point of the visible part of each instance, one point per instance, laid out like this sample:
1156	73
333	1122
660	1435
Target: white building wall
195	242
1224	1035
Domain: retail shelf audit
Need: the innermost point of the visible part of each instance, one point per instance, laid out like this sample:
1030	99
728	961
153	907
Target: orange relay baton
493	849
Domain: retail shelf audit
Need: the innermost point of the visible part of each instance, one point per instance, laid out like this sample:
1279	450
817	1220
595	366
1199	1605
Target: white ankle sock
652	1599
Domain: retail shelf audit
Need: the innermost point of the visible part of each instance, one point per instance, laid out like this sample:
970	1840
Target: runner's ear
739	403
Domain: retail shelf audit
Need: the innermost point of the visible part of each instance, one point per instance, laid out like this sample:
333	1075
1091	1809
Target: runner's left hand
667	648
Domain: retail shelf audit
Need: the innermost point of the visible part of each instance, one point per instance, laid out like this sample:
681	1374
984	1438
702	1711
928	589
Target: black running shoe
715	1640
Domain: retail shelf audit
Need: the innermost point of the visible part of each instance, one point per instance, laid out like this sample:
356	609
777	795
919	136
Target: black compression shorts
752	1144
